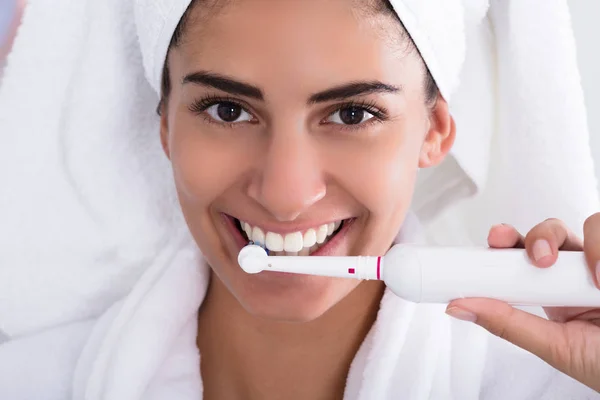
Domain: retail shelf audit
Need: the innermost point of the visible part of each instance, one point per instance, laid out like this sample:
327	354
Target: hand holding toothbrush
570	339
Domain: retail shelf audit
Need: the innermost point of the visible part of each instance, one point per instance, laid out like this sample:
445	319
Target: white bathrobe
144	348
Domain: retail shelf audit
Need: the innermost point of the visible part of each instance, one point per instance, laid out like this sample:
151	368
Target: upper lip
290	227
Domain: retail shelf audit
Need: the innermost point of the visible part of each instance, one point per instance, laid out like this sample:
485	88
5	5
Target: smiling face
300	125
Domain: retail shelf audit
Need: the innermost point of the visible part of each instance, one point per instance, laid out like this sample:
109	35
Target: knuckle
501	329
559	229
501	332
559	351
557	223
557	355
552	220
552	229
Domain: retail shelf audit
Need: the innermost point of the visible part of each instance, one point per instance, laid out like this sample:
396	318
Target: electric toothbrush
423	274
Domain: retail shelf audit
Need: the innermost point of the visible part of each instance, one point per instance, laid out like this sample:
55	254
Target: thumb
546	339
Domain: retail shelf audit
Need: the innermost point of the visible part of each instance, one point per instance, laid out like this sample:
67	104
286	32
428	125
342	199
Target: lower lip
324	250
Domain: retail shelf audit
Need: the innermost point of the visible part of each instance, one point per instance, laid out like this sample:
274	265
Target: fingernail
461	314
541	249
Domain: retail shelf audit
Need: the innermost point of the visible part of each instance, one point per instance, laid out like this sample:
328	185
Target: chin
292	298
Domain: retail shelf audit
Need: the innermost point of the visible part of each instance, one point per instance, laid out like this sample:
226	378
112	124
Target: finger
546	339
545	240
566	314
591	245
505	237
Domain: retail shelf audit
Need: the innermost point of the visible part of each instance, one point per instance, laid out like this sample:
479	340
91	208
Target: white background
586	24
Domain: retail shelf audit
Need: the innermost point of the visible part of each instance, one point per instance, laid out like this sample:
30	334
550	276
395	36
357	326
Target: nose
291	178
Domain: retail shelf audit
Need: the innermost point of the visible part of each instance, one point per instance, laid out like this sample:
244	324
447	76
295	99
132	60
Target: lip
326	249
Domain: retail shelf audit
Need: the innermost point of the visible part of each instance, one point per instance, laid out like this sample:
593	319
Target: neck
244	356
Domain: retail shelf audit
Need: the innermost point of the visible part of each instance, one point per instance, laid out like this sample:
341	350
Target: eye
350	115
228	112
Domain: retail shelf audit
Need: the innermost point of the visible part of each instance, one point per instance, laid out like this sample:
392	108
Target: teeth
295	243
274	241
258	236
322	233
310	238
247	229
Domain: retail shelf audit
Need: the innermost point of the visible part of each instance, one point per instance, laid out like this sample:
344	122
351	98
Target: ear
440	137
164	129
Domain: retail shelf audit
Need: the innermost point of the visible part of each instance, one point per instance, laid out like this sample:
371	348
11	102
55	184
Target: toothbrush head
253	259
263	246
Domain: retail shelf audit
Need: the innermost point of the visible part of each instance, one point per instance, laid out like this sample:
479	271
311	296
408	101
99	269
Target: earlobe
440	137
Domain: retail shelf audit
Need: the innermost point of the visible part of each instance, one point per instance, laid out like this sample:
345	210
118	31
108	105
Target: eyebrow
236	87
224	84
351	90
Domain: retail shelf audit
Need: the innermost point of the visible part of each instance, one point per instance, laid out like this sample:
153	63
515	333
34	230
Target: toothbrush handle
507	274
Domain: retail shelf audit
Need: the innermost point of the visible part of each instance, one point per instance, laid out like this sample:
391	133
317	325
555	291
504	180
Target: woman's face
301	124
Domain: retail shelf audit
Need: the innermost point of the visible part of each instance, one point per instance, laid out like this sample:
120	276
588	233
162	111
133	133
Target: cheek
205	162
380	174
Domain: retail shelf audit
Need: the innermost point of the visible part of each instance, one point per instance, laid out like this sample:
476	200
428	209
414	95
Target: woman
309	142
318	138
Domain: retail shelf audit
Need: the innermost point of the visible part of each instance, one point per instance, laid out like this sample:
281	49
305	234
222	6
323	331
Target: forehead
288	40
205	14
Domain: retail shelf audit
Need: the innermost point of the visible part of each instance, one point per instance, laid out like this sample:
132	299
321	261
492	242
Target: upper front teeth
291	242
